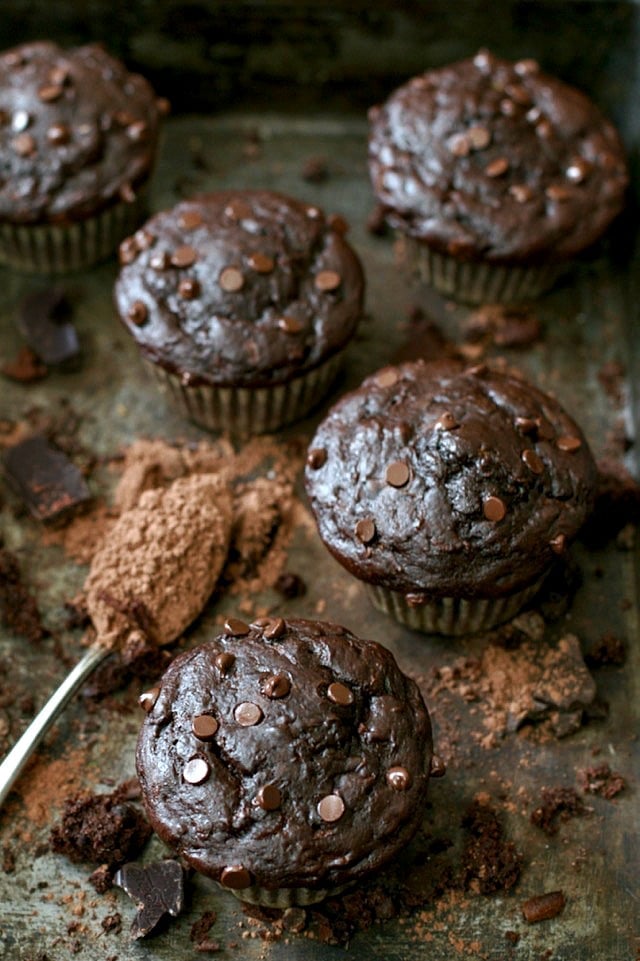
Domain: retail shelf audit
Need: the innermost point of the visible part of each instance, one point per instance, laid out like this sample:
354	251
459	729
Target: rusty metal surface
588	320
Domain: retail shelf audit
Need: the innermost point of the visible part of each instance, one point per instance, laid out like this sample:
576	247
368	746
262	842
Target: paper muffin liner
62	248
476	283
249	410
452	615
285	897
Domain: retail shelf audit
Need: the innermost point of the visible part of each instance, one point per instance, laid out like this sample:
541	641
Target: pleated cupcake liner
285	897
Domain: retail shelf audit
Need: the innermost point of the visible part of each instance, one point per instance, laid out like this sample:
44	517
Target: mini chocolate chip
533	461
437	768
446	421
160	260
195	771
236	627
236	877
397	474
261	263
275	686
189	288
137	131
558	544
494	509
138	313
387	377
274	628
224	661
340	694
148	699
58	134
24	145
269	797
190	219
568	444
50	92
231	279
497	167
204	727
398	778
317	458
247	714
290	325
479	137
331	808
327	280
477	370
365	530
183	256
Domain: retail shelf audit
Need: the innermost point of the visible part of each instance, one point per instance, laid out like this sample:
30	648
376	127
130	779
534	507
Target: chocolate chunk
543	906
44	322
156	888
47	481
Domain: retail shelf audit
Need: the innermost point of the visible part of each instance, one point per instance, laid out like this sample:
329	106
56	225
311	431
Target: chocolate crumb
200	930
101	879
99	829
315	170
558	804
601	780
111	923
607	650
490	863
18	609
542	907
26	368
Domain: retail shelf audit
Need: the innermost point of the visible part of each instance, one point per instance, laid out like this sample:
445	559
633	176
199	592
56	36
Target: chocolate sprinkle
247	714
397	474
331	808
195	771
398	778
269	797
494	509
204	727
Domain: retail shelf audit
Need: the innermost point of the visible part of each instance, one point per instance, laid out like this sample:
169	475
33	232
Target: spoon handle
24	747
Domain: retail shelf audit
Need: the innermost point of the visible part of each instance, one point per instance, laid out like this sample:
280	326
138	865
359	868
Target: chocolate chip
24	145
290	585
290	325
527	425
275	686
568	444
138	313
157	889
225	661
558	193
274	628
508	108
340	694
20	120
231	279
398	778
577	170
327	280
189	288
331	808
144	239
479	137
365	530
317	458
236	627
58	134
126	193
526	67
544	130
494	509
269	797
338	223
58	76
190	219
533	461
313	213
497	167
247	714
519	93
195	771
238	210
387	377
558	544
261	263
127	251
459	145
543	906
50	92
183	256
148	699
437	767
137	131
236	877
204	727
160	260
521	193
446	421
397	474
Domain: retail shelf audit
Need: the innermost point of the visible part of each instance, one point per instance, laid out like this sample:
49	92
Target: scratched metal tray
589	320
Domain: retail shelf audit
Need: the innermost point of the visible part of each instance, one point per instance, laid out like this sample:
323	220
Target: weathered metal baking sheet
587	321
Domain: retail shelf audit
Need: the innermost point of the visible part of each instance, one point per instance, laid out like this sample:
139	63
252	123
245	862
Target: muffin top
240	288
497	161
434	479
285	754
77	132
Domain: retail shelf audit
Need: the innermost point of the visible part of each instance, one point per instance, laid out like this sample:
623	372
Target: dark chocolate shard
47	481
44	322
157	889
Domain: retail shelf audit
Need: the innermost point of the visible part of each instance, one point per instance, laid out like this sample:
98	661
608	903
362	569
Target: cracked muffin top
446	480
285	753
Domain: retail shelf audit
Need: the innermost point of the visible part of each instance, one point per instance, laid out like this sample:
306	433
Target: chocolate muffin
285	759
449	491
242	302
495	176
78	139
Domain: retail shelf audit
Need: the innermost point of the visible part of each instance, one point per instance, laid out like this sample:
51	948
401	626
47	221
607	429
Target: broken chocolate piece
543	906
157	889
48	482
44	323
